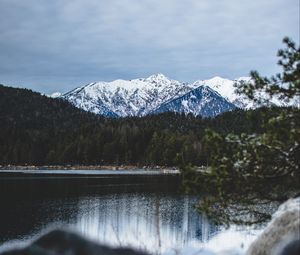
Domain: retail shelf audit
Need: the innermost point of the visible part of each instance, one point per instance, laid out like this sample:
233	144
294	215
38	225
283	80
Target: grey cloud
56	45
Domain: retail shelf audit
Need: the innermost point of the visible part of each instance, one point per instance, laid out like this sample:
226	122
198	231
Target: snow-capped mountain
122	98
157	93
226	89
202	101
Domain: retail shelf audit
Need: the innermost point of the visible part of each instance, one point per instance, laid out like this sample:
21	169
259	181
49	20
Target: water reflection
146	213
154	222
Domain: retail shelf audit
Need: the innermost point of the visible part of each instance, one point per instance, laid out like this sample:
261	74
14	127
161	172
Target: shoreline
85	167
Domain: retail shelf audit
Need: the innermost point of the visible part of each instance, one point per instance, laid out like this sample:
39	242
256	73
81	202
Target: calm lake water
142	211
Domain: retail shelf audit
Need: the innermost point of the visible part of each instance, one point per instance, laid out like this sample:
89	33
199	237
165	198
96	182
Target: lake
144	210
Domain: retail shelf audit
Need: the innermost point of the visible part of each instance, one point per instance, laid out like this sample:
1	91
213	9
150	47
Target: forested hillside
35	129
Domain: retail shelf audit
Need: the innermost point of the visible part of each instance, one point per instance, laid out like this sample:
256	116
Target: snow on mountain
122	98
158	93
202	101
55	95
226	89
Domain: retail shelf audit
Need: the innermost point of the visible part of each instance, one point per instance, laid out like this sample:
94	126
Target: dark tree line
35	129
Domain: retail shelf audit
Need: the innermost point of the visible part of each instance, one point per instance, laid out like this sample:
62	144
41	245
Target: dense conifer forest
38	130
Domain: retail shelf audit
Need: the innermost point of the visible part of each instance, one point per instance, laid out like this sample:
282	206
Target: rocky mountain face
202	101
226	89
156	94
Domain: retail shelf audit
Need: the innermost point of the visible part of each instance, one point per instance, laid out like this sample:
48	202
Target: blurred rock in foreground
282	235
60	242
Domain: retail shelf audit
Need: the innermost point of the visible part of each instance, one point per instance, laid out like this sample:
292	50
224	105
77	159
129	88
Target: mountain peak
218	79
157	77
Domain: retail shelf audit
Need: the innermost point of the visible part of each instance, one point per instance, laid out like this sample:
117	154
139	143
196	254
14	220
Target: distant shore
85	167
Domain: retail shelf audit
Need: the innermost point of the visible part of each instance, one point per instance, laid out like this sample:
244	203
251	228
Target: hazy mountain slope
26	108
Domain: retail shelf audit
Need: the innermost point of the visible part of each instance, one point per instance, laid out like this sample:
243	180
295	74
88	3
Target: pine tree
246	171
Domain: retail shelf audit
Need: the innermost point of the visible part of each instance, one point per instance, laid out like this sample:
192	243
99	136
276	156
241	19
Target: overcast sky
56	45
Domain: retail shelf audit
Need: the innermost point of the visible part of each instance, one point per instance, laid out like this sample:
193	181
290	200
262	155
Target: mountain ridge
141	97
202	100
